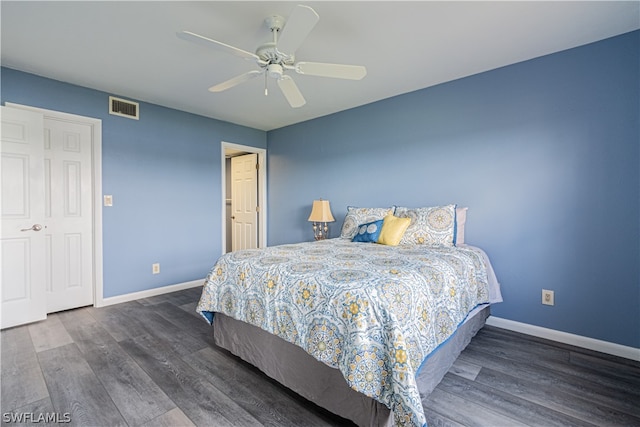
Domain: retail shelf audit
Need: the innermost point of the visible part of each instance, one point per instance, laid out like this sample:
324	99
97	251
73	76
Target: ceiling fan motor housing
269	54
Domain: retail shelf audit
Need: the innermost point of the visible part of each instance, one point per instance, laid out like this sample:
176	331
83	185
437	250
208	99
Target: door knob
233	217
34	227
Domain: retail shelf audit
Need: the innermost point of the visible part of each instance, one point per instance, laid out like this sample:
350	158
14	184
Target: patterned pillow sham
356	216
433	226
368	232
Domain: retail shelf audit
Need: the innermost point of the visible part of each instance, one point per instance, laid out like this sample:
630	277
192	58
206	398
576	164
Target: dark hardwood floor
152	362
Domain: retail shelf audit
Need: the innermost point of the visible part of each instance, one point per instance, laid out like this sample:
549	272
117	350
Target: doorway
232	194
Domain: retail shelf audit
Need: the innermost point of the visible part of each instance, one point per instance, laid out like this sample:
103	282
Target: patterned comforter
374	312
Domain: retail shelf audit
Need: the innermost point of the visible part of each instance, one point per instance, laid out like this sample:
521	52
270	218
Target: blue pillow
368	232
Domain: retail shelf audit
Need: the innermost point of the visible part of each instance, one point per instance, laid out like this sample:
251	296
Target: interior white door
68	212
23	223
244	201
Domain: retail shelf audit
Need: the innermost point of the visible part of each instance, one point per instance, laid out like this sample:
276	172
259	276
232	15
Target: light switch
108	200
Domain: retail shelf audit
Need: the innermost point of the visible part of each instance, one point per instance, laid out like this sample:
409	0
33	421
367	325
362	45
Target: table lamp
320	213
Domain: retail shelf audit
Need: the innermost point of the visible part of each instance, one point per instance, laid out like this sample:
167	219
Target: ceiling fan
277	56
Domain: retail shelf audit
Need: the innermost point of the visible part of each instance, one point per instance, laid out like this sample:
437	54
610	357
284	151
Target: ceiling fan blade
338	71
235	81
207	42
297	28
291	92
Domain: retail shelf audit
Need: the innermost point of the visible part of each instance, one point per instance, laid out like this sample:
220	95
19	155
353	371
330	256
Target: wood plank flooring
152	362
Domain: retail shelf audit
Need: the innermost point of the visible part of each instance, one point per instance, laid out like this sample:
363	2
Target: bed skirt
325	386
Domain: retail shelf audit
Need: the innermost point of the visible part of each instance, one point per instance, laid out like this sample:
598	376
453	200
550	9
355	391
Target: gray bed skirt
325	386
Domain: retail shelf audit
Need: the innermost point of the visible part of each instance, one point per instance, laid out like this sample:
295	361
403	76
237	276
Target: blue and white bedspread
374	312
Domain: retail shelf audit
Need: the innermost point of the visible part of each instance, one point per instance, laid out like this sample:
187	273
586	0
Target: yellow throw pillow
393	229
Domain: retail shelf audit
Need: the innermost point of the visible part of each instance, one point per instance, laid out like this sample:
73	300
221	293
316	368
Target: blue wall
164	172
545	154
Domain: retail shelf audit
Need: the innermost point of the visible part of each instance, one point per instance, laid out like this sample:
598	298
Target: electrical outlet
108	200
547	297
155	268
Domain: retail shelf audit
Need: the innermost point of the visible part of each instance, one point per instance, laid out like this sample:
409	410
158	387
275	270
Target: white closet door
69	215
22	242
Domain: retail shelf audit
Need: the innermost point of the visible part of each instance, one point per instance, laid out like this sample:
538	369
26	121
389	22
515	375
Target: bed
365	330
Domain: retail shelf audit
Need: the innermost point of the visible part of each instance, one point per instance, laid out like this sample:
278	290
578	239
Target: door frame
96	182
262	191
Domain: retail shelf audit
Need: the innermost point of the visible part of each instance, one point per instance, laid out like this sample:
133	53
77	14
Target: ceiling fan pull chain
265	85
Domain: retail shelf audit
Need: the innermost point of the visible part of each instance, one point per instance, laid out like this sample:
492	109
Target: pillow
433	226
393	228
461	218
356	216
368	232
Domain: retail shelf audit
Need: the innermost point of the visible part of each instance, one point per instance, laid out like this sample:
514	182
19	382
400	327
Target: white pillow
461	218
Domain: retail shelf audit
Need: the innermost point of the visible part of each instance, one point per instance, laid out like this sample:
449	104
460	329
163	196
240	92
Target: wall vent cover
123	108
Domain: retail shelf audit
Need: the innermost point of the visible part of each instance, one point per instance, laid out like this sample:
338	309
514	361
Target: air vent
123	108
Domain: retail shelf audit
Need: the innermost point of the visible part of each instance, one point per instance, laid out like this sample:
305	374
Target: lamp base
320	232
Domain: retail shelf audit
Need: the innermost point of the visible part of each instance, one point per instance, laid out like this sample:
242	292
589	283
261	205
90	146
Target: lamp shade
321	211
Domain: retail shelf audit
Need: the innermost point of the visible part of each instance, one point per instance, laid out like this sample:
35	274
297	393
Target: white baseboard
564	337
148	293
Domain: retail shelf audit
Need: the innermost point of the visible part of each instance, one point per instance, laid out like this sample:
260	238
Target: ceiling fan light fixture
275	71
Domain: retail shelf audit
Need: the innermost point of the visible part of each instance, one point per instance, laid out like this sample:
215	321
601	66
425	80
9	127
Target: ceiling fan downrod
275	24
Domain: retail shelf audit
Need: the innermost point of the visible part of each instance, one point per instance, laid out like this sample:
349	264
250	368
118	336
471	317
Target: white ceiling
130	49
